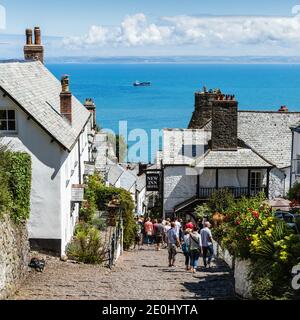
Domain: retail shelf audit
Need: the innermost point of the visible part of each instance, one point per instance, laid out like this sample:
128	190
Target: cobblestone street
139	275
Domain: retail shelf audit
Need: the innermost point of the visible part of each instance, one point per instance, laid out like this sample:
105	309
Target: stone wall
277	184
14	256
241	269
203	109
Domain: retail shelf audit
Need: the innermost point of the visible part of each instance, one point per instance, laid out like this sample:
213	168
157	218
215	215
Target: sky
155	27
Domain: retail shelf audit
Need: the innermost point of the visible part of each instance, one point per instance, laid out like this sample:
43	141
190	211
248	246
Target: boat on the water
142	84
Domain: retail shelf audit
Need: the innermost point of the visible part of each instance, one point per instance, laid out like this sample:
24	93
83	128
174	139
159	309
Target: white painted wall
178	186
295	155
44	222
52	167
141	197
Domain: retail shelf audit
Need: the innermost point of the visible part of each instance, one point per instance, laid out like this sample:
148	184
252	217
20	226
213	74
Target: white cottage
39	115
246	151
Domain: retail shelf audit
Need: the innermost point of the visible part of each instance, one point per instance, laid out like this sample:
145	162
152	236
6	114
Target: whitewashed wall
178	186
50	216
141	197
296	152
44	222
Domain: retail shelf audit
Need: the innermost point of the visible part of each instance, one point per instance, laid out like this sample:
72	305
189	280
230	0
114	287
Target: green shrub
220	201
294	192
15	184
86	246
203	211
262	288
97	197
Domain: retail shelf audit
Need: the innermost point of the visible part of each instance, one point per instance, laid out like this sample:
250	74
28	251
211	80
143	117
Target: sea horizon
169	101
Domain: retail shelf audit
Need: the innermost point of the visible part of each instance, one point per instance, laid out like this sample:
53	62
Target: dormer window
8	121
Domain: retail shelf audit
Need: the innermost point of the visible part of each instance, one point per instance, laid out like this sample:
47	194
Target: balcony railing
206	193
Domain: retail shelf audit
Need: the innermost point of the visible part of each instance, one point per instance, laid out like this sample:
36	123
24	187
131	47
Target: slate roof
37	91
242	158
268	133
116	172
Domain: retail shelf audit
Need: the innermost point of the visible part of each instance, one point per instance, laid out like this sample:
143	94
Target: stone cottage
247	152
39	115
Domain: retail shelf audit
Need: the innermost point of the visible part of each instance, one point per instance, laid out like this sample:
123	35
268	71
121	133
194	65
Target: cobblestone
138	275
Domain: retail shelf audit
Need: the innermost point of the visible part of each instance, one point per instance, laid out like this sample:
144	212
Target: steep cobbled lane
139	275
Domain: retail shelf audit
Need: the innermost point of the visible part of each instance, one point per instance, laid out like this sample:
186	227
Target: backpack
184	248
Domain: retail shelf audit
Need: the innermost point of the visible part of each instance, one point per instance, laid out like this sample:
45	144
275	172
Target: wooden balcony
206	193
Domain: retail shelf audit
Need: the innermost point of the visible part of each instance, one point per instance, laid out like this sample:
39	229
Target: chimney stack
66	99
91	107
203	108
34	52
224	123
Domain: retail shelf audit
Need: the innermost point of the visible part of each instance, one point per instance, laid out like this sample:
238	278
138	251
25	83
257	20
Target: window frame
8	120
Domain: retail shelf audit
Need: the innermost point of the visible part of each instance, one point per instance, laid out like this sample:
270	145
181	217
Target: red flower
255	214
238	223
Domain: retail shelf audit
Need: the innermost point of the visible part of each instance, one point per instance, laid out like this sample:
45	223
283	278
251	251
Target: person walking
159	234
139	233
189	225
148	226
173	243
195	249
207	244
185	248
166	229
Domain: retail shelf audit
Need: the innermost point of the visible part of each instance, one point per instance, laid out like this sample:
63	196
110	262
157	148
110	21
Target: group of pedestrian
194	239
195	244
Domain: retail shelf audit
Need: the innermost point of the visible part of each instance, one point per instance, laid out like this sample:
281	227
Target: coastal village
80	190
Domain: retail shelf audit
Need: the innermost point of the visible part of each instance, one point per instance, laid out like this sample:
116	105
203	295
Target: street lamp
94	154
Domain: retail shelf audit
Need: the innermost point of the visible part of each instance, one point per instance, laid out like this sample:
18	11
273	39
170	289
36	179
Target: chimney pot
37	36
28	36
283	109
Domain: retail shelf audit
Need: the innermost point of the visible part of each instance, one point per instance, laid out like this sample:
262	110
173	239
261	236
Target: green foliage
203	211
88	211
87	246
104	195
294	192
15	182
98	196
220	201
5	196
19	184
249	230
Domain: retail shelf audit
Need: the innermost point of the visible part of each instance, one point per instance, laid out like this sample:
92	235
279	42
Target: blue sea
169	102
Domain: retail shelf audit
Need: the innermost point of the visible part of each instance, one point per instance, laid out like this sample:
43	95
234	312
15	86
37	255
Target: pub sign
153	182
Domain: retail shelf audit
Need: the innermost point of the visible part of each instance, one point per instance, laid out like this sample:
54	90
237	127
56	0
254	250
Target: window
194	150
298	165
255	181
183	150
8	120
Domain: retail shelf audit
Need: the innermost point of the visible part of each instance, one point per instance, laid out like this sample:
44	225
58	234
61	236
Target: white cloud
209	32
